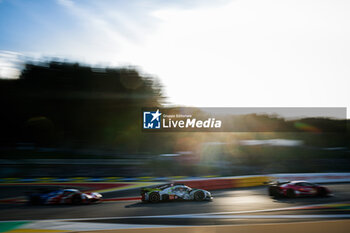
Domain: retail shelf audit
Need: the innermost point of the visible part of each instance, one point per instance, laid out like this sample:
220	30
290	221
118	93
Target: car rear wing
275	183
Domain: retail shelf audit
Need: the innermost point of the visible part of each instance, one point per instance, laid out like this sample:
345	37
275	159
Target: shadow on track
166	203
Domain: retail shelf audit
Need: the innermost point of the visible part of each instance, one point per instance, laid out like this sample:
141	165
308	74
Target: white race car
174	192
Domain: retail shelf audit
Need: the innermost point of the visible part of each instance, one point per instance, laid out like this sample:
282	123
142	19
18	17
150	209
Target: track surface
235	200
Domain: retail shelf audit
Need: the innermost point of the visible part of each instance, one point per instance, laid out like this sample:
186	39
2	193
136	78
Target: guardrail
226	182
207	182
313	177
98	179
250	181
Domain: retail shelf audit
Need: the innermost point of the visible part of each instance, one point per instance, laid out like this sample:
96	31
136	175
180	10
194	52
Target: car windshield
66	193
309	184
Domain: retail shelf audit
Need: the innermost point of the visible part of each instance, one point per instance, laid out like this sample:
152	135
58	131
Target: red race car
297	188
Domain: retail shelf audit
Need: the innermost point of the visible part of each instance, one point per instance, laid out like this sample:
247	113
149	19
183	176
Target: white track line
291	216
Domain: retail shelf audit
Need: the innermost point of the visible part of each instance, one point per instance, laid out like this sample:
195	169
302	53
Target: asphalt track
234	206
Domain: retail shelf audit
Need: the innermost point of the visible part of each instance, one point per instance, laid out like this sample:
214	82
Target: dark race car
297	188
174	192
62	196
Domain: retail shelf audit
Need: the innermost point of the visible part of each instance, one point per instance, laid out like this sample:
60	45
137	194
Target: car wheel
199	196
34	200
273	191
76	200
290	193
322	192
154	197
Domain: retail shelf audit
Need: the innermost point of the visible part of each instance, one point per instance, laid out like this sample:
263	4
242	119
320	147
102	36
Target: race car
62	196
297	188
173	191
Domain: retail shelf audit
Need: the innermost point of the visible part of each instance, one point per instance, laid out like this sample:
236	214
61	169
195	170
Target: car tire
34	201
154	197
322	192
199	196
76	200
273	192
290	193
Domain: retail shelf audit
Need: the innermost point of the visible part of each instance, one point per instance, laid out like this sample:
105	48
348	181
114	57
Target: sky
226	53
